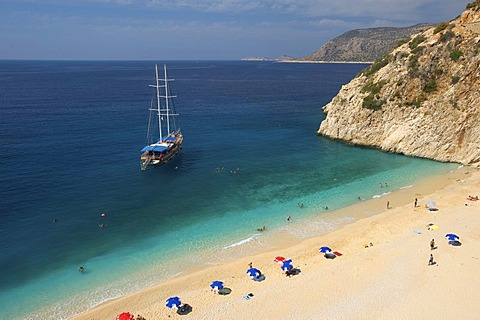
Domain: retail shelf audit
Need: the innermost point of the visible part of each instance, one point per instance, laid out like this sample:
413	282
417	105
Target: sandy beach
391	279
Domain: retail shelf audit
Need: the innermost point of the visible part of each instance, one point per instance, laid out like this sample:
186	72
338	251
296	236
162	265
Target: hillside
421	99
363	45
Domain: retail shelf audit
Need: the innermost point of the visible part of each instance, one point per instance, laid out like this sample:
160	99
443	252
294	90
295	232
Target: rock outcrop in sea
422	99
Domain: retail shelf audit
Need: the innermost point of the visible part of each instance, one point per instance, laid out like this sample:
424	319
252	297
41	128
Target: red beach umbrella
279	259
125	316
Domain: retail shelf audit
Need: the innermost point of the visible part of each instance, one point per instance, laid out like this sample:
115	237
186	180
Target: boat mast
158	104
166	99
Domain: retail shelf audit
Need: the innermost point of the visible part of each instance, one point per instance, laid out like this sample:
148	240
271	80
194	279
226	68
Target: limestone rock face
422	99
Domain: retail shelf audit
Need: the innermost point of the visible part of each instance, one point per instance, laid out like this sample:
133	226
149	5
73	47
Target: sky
196	29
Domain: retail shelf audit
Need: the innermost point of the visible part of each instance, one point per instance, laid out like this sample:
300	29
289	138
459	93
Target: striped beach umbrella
287	265
173	302
325	249
451	236
253	272
216	285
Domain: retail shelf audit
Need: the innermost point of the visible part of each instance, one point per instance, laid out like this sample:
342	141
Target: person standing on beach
432	244
388	204
430	261
416	203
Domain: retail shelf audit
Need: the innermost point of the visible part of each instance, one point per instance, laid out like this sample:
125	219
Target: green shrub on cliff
413	65
416	41
418	50
440	27
369	102
417	102
400	42
455	55
430	86
447	36
377	65
373	87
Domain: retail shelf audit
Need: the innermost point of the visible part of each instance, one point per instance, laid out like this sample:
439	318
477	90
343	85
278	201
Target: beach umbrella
431	226
125	316
451	236
173	302
216	285
325	249
253	272
431	204
287	265
279	259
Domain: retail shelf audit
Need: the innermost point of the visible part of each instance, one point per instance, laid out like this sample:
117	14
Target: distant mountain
364	45
285	58
281	58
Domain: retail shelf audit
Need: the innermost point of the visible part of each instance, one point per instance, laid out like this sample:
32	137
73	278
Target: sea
71	135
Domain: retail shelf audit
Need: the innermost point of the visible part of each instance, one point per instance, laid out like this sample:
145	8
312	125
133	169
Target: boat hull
151	158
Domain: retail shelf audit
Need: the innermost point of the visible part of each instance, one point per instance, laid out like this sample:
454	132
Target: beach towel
338	254
248	296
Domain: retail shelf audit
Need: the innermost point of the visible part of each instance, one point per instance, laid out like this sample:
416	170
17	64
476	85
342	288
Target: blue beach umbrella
253	272
451	236
325	249
173	302
287	265
216	285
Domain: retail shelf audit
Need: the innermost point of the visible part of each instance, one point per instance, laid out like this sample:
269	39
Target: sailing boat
164	140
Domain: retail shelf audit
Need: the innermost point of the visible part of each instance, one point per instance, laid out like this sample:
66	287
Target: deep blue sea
70	140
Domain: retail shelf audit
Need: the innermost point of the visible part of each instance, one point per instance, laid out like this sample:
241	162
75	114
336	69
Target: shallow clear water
70	141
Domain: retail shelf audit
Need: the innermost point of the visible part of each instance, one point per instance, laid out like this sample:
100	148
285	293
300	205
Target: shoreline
308	61
369	222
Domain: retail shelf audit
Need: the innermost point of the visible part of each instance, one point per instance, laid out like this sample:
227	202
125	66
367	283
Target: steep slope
422	99
363	44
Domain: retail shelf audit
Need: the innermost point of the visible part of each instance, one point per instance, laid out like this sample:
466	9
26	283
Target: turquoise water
70	151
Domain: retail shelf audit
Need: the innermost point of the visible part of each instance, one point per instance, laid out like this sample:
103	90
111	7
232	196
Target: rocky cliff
422	99
363	45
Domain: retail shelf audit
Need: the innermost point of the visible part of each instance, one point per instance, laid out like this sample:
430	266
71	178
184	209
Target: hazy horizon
140	30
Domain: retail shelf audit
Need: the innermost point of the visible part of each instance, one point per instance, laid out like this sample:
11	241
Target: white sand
390	280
